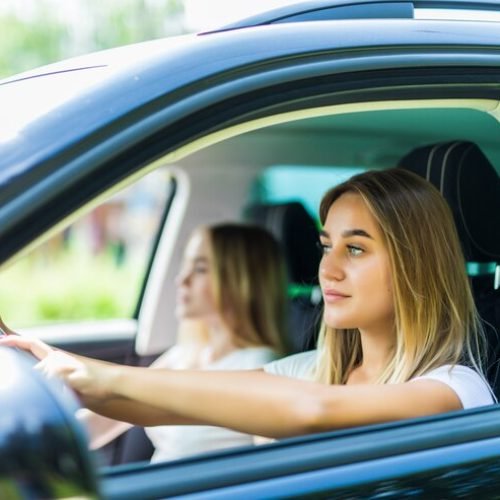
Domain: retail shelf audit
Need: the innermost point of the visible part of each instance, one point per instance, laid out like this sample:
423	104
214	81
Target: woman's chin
338	323
181	313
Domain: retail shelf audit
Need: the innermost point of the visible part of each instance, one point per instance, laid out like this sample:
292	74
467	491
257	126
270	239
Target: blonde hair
436	321
249	283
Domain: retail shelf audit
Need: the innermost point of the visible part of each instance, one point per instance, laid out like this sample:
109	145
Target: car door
448	456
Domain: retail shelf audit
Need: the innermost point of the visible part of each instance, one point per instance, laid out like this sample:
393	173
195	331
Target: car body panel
353	463
321	10
224	106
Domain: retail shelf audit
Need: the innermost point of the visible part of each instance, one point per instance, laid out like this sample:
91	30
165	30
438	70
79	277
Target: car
271	110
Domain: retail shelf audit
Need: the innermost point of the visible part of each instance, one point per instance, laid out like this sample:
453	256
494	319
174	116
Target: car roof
73	98
321	10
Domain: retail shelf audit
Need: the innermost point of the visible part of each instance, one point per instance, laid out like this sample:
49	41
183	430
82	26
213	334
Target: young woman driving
400	337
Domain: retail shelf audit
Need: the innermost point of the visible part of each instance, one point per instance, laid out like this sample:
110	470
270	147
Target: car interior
254	171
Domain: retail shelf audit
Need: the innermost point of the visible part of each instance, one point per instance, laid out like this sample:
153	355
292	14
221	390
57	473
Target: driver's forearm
101	430
136	413
251	401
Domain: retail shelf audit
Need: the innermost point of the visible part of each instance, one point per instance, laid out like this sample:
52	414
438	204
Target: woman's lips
330	295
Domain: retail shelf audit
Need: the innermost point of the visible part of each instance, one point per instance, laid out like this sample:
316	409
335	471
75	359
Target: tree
49	31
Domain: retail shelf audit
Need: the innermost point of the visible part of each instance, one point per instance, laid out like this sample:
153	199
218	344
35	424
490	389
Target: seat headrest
295	229
470	184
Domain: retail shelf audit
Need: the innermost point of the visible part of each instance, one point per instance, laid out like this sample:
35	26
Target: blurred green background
33	293
37	32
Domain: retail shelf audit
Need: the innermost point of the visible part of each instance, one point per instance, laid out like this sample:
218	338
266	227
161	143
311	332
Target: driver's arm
262	404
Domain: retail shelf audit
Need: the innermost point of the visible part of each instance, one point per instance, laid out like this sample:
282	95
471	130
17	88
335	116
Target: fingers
83	375
75	372
58	363
35	346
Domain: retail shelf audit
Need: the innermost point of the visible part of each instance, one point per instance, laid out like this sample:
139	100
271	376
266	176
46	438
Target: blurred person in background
227	322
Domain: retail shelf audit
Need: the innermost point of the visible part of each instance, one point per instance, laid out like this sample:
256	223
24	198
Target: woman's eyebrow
200	259
356	232
348	232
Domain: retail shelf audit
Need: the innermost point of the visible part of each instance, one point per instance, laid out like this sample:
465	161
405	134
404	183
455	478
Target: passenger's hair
436	321
250	283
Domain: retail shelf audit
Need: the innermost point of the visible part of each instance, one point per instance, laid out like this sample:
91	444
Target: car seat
296	230
471	186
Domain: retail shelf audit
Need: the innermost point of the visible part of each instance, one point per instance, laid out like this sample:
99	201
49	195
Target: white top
470	387
175	441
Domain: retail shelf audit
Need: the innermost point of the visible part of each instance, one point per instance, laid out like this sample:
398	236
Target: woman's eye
354	251
200	269
323	247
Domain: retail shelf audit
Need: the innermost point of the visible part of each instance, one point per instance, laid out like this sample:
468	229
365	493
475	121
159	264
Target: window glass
95	268
306	184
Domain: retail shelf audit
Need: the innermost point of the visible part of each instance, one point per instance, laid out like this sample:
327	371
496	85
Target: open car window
95	268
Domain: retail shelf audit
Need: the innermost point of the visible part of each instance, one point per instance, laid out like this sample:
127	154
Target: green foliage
69	287
27	43
44	34
132	21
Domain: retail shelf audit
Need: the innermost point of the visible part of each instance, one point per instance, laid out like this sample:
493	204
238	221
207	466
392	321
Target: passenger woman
400	337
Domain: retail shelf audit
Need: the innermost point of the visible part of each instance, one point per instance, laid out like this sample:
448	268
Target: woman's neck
376	346
220	342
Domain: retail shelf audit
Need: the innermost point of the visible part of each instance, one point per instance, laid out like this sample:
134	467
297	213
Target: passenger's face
354	271
195	298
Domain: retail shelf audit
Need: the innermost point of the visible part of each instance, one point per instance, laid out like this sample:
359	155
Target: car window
94	268
303	183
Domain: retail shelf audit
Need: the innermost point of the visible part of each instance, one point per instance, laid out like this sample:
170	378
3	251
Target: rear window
303	183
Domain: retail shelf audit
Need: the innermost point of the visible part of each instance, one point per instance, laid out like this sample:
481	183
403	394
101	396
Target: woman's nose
330	267
181	278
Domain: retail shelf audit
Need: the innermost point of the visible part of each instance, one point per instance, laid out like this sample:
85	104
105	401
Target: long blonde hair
249	283
436	321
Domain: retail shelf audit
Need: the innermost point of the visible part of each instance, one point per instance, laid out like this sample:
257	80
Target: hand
35	346
91	379
88	377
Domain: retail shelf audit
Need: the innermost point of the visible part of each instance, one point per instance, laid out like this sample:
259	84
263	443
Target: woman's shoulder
299	366
471	387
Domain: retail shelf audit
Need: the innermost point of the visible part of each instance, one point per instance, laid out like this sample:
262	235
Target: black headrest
295	229
471	186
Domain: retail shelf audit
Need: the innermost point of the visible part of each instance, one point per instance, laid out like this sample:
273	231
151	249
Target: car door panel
418	450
